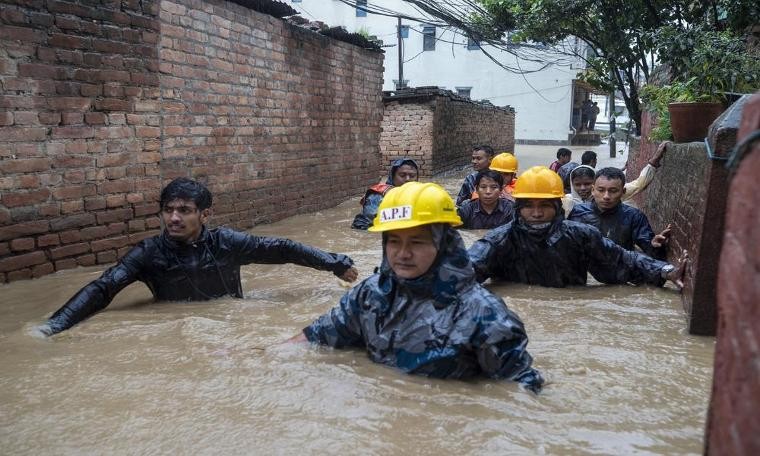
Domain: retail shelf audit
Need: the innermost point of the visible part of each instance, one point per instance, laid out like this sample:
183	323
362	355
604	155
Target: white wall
543	110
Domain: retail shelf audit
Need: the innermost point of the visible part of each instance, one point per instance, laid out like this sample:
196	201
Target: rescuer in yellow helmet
541	247
423	311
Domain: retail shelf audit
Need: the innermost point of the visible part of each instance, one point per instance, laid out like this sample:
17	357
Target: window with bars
361	8
428	38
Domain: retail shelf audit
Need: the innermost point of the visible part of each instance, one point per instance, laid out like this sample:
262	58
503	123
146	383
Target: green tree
619	33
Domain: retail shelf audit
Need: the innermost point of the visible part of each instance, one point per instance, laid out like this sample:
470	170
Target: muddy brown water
214	378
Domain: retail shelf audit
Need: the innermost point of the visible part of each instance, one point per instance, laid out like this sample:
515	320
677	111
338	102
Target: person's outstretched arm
502	345
340	327
270	250
484	252
98	294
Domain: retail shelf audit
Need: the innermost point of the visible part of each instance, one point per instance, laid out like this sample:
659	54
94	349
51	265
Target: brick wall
102	102
733	420
690	191
265	112
438	129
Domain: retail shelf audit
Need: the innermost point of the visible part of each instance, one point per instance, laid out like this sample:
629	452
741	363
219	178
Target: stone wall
438	129
690	191
733	420
103	102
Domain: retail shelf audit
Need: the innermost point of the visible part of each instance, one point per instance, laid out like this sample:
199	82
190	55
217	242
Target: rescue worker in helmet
506	164
481	160
423	311
188	262
625	225
540	247
402	170
489	209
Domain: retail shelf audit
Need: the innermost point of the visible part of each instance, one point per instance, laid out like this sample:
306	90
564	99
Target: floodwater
215	378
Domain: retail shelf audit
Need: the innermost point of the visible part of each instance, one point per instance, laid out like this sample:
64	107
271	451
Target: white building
441	56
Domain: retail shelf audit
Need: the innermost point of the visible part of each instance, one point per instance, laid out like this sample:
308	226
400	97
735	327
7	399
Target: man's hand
677	274
350	275
660	239
661	149
42	331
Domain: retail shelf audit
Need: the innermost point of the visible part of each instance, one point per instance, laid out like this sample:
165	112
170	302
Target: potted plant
704	67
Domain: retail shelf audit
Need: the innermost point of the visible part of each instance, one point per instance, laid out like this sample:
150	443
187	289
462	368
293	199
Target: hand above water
676	275
662	237
350	275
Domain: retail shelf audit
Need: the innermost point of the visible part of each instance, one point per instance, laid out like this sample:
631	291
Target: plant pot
690	121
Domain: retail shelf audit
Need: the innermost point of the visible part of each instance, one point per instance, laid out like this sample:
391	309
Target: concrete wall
439	129
733	421
103	103
690	191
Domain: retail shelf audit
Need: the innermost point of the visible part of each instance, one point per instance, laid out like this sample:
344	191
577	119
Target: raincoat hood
543	231
450	273
576	197
398	163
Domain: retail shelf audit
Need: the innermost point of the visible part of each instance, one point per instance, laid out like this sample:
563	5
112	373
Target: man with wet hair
481	160
402	170
489	210
563	157
423	311
625	225
540	247
188	262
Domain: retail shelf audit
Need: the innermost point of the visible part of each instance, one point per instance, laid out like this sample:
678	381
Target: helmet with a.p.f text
504	163
538	182
414	204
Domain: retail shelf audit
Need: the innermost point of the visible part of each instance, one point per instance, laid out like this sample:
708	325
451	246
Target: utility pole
401	84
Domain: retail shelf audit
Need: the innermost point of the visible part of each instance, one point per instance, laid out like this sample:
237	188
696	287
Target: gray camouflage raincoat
442	324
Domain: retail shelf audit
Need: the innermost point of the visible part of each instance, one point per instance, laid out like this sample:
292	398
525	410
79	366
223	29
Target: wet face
480	160
583	186
404	174
183	220
564	159
488	191
411	252
608	192
537	211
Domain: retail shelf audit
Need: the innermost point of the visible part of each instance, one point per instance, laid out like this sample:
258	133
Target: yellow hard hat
414	204
539	182
504	162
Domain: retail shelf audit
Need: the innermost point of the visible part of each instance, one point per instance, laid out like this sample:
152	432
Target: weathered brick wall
407	131
267	113
102	102
439	129
690	191
78	156
733	420
459	125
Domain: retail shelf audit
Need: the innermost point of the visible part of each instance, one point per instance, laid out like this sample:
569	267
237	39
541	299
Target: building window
404	31
428	38
464	91
404	84
361	8
472	44
296	1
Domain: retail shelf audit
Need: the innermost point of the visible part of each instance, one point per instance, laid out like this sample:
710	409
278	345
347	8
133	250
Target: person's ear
623	191
205	214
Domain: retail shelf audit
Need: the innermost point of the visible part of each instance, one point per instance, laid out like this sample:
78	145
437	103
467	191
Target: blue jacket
468	188
625	225
563	254
372	197
442	324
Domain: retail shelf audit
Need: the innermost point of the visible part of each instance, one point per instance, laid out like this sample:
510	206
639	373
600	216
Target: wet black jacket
562	256
208	268
475	218
468	188
625	225
442	324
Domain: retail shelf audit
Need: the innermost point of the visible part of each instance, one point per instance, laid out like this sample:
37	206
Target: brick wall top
423	94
